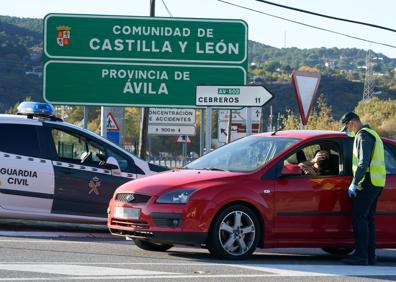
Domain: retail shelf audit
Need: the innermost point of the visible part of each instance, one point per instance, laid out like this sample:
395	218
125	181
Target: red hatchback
251	193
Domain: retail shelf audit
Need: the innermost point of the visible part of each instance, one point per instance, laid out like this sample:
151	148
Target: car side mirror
291	169
113	165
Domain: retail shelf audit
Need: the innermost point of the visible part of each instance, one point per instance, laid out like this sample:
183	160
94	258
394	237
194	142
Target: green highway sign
132	84
149	39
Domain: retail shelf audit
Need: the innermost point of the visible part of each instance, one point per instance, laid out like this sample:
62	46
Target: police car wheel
235	233
338	251
150	246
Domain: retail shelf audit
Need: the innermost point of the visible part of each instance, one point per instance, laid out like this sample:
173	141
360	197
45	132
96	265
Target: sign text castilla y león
139	61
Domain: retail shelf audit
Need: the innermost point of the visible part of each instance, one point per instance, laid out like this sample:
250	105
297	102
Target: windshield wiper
213	168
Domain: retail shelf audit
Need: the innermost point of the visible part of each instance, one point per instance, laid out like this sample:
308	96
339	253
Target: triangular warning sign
305	87
111	123
183	139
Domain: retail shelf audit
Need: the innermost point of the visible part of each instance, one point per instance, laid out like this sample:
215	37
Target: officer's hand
352	190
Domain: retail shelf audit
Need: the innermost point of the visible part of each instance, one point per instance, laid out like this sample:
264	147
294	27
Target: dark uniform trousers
364	207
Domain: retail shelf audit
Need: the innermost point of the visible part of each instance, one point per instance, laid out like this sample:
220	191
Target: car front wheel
150	246
235	233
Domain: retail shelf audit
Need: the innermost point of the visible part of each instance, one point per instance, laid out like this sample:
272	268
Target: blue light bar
36	109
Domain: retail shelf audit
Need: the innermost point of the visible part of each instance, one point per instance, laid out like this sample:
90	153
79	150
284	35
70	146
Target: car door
308	208
26	175
386	207
83	186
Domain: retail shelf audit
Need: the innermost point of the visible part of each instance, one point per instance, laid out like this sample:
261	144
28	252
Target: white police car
53	170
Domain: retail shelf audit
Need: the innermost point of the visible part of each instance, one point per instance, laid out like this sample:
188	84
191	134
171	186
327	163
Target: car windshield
244	155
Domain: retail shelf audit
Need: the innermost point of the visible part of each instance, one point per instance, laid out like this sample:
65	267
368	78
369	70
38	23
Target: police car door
83	186
26	175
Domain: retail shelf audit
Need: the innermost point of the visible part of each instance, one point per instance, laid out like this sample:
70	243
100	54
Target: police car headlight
176	197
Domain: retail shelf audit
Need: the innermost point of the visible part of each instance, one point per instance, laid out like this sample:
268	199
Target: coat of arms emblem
94	185
63	35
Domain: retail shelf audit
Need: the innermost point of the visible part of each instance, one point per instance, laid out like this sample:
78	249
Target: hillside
342	70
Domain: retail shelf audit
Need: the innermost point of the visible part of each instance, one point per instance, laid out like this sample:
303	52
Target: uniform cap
347	118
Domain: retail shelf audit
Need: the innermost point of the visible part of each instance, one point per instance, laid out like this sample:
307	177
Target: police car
53	170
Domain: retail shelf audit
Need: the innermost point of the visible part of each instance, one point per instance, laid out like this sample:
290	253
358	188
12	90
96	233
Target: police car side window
123	162
98	154
68	146
19	139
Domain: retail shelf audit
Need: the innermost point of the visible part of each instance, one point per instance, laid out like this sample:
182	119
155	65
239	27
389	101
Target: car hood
169	180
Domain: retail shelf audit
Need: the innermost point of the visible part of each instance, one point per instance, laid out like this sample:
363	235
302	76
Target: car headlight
175	197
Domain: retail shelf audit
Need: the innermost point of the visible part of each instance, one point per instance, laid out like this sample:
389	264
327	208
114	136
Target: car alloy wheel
235	233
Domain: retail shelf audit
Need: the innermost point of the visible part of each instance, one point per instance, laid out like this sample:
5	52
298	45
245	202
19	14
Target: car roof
305	134
20	119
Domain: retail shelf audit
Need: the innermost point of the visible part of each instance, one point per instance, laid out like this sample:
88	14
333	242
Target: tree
380	115
321	118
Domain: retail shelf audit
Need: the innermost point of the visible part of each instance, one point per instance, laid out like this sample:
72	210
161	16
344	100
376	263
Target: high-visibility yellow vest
377	167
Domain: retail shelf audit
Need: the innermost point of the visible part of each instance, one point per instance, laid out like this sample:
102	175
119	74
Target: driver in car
319	165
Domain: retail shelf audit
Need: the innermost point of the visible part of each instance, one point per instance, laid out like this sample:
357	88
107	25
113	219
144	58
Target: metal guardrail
171	162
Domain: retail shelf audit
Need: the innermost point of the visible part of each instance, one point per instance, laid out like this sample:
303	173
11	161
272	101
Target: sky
262	28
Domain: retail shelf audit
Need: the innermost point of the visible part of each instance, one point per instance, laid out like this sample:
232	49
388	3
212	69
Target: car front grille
132	198
130	224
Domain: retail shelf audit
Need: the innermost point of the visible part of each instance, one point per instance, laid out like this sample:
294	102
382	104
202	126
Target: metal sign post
103	120
85	117
208	131
248	121
201	134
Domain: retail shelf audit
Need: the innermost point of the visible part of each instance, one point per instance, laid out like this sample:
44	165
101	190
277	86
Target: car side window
19	139
390	160
123	162
97	152
68	146
73	147
314	160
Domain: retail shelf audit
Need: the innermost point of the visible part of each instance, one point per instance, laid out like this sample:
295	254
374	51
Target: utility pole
145	111
369	79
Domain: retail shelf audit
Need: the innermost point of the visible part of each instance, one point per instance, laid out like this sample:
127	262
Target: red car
251	193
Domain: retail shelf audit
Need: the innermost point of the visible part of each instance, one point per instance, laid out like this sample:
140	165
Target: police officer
369	175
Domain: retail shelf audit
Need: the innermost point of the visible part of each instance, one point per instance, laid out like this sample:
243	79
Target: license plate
131	213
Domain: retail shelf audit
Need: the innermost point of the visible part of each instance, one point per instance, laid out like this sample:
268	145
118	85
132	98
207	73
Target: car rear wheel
338	251
150	246
235	233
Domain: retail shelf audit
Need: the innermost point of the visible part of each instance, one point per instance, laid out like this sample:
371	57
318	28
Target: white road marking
79	270
137	277
41	234
323	270
84	271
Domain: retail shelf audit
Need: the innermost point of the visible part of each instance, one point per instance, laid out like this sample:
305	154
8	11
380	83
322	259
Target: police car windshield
244	155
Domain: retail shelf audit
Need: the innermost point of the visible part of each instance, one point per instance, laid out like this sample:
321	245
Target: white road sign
238	130
171	116
163	129
305	87
232	96
240	115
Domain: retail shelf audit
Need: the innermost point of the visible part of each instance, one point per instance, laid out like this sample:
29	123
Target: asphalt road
32	256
